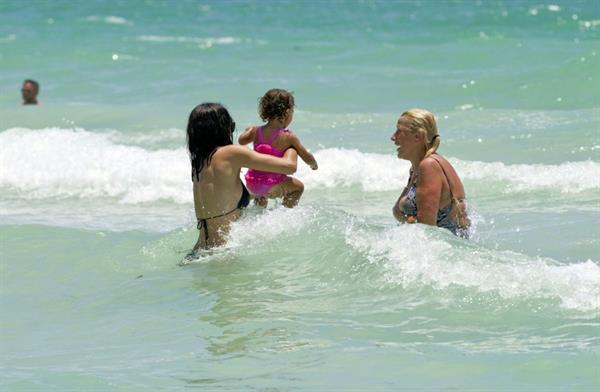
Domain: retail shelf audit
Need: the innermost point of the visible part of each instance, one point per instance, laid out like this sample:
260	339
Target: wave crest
61	163
413	255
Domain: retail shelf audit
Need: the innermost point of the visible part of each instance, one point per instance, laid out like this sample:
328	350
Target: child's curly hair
274	104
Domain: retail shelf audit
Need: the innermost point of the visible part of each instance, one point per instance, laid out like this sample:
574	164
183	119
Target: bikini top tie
266	147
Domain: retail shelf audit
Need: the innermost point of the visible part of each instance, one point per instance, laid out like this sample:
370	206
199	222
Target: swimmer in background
29	92
276	107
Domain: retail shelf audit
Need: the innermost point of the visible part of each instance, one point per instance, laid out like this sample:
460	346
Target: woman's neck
415	160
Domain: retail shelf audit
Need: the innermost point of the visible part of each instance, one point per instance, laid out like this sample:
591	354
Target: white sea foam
59	163
256	231
271	224
414	255
54	162
342	167
110	19
202	41
148	139
568	177
378	172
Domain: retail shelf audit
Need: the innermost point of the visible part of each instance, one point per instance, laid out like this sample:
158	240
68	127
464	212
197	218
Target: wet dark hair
274	103
209	126
35	84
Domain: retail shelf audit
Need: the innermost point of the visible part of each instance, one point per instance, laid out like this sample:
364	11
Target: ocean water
96	213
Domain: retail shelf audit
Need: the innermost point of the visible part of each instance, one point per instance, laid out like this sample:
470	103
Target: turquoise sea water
96	211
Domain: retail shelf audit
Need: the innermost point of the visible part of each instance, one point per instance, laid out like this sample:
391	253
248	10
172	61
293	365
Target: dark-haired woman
219	194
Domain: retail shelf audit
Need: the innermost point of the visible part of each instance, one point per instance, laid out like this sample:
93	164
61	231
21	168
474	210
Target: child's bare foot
290	190
290	200
261	202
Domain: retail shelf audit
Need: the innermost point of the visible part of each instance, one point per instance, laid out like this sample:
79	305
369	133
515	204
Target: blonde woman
434	194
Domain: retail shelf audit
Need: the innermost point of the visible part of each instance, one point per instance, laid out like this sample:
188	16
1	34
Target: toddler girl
276	107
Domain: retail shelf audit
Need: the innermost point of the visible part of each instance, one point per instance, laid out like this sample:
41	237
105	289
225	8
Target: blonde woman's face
405	138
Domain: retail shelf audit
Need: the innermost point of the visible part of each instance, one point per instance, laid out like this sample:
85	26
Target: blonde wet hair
423	121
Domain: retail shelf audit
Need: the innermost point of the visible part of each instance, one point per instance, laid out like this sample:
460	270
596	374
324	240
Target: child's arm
247	136
303	152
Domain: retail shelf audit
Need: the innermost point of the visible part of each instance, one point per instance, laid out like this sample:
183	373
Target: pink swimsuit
259	183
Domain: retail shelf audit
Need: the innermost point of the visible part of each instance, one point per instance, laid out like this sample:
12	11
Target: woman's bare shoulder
430	164
231	149
232	153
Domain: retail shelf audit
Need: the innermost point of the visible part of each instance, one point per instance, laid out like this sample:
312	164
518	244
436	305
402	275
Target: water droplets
589	24
467	84
521	136
10	37
553	8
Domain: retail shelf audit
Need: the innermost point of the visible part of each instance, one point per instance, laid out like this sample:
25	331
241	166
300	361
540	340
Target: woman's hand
401	216
410	219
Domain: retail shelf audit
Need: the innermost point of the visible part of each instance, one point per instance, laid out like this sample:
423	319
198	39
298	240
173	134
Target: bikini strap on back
461	216
274	136
260	135
457	199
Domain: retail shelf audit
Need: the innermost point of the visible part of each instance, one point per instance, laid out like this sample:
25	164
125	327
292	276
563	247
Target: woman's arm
244	157
303	152
247	136
429	192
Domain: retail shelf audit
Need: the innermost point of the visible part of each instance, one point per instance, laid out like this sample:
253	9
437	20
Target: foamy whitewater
99	292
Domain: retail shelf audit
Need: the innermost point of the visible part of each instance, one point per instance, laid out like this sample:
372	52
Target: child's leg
291	190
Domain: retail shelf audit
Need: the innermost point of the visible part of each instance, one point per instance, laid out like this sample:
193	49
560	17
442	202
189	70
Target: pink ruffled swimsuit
259	183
